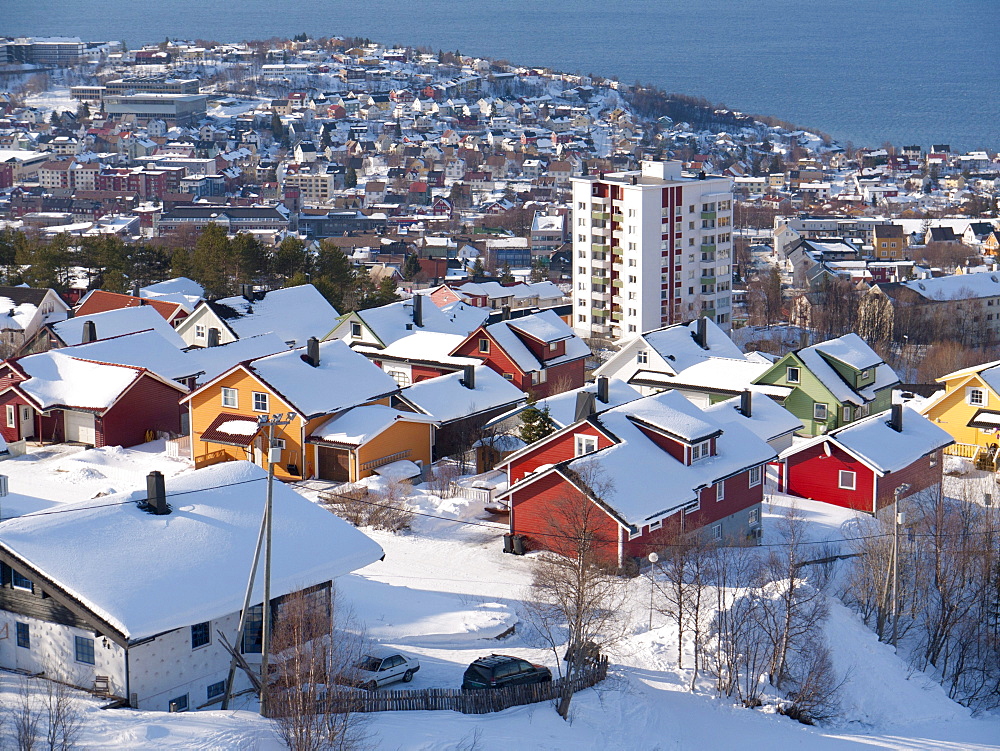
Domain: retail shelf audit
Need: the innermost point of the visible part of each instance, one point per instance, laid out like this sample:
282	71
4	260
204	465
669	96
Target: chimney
746	403
213	337
505	313
896	418
156	494
89	331
418	310
803	339
246	290
700	334
585	406
469	379
312	351
602	389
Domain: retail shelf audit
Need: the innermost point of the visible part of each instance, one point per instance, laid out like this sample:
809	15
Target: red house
861	465
539	353
99	301
55	397
648	471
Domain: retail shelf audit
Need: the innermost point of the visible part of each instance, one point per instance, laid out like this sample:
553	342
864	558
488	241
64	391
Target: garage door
80	427
334	464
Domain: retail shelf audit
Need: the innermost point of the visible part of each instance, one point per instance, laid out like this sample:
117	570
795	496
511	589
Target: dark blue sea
868	71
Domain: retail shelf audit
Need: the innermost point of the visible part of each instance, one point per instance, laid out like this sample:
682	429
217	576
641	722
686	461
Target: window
701	450
847	480
539	376
792	375
230	398
754	475
253	633
401	377
355	330
642	357
819	412
260	402
216	690
976	397
866	374
201	634
484	346
553	346
754	516
509	376
11	416
23	635
847	414
720	490
932	460
585	444
655	525
180	704
691	508
84	649
716	531
199	331
19	581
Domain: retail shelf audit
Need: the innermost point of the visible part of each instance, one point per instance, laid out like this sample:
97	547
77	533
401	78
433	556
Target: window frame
84	647
700	450
973	391
22	634
484	345
847	413
755	476
642	357
356	330
717	532
753	517
200	331
196	637
788	374
11	415
267	401
179	703
235	393
720	491
841	474
584	440
818	409
220	687
25	584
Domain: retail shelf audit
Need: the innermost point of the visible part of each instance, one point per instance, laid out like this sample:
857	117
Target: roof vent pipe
156	494
418	310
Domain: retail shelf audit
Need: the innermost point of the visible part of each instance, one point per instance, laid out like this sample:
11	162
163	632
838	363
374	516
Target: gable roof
562	406
814	358
344	378
115	323
357	426
213	526
507	334
99	301
391	322
445	398
293	313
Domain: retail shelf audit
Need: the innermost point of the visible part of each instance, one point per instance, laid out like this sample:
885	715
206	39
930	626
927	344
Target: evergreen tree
478	270
411	267
335	277
536	423
351	178
212	261
290	258
538	271
277	127
251	258
505	276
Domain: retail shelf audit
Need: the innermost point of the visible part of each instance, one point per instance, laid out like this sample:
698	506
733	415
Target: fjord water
906	71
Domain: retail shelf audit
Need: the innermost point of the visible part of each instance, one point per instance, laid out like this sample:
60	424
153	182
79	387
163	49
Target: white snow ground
445	591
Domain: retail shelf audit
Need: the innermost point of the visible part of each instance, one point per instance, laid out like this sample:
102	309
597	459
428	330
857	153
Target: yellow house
969	409
340	426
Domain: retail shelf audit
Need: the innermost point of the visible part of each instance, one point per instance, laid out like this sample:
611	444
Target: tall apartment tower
650	248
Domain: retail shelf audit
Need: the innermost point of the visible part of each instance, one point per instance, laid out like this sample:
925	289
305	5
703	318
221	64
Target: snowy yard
446	591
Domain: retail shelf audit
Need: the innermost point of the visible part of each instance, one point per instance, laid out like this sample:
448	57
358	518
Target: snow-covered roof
143	349
357	426
423	345
211	362
713	373
641	481
851	350
879	446
562	407
15	316
504	333
395	320
465	318
56	379
212	527
768	420
113	323
343	378
293	313
445	398
542	328
957	286
182	290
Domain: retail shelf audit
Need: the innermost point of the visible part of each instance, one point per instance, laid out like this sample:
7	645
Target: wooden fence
478	701
965	450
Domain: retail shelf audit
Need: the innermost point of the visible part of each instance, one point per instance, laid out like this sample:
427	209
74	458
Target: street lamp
897	517
273	457
653	558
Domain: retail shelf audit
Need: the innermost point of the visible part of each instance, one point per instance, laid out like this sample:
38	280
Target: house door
27	422
80	427
334	464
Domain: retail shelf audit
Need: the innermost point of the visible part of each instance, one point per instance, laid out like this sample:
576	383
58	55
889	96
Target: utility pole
896	516
273	457
653	558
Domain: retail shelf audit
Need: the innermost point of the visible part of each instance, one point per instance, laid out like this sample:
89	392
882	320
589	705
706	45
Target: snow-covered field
445	591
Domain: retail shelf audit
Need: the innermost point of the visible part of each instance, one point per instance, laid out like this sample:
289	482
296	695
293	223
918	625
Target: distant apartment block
651	247
173	109
61	51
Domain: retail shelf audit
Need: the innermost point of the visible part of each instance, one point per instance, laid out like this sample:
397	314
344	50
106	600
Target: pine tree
505	276
351	178
478	270
536	423
411	267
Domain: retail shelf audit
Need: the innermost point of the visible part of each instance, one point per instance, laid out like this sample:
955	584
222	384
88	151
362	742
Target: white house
133	590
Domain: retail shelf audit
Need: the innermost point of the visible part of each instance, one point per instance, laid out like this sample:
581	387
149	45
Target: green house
833	383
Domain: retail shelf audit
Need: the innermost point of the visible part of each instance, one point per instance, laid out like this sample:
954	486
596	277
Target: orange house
340	426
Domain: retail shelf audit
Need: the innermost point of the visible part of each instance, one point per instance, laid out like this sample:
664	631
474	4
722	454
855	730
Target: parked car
383	666
496	671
